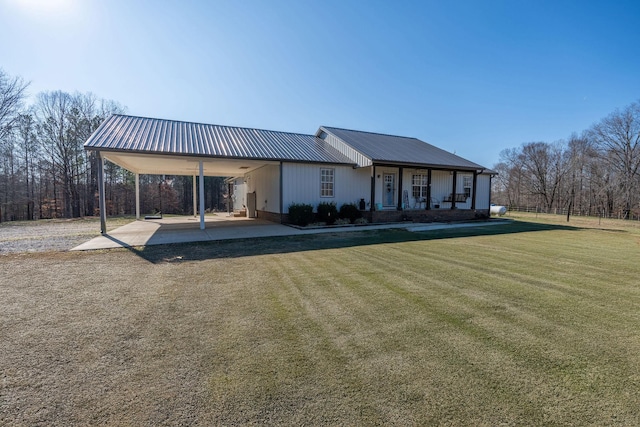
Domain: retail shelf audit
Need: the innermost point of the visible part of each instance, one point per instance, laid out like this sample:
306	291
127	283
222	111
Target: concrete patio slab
187	229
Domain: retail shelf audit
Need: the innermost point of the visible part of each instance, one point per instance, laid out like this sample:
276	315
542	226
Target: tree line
46	173
593	173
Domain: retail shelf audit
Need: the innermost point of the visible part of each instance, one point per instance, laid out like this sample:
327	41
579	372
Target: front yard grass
535	322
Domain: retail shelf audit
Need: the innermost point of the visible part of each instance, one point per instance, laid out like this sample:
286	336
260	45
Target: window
326	182
466	184
419	185
323	135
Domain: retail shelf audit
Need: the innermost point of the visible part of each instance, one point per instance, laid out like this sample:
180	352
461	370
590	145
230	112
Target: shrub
361	221
350	211
300	214
342	221
327	212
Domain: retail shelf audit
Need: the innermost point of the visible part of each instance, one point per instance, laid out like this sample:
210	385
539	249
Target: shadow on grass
198	251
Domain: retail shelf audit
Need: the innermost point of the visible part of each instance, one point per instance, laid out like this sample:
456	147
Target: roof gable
381	148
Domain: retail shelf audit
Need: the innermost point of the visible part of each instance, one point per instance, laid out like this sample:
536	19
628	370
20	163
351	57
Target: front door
389	189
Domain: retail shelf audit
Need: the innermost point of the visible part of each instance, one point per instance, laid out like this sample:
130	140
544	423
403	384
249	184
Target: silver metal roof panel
381	148
146	135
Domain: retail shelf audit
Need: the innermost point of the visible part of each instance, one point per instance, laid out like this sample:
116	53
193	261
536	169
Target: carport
167	164
156	147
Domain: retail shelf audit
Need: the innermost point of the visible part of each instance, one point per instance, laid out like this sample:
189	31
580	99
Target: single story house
393	178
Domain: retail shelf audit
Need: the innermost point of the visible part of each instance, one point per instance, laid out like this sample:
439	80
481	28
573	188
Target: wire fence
619	214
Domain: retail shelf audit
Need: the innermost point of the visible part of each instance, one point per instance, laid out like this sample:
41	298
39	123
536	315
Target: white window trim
332	182
423	184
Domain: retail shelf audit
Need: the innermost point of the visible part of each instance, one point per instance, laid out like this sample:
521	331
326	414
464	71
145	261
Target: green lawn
536	322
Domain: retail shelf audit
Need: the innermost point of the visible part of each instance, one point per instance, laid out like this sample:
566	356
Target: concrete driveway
187	229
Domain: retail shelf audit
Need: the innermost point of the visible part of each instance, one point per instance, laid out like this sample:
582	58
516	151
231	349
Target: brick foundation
273	217
432	215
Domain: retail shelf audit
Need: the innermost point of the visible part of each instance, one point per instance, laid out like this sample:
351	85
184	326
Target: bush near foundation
350	211
300	214
327	212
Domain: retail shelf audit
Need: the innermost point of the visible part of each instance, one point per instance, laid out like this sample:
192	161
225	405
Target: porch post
201	191
453	194
137	196
400	188
428	204
195	197
373	187
473	188
101	197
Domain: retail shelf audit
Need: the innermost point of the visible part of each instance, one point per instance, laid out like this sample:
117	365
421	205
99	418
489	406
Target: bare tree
617	138
12	94
65	122
29	149
545	166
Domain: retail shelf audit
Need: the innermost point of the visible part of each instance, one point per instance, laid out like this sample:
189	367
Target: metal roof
129	134
381	148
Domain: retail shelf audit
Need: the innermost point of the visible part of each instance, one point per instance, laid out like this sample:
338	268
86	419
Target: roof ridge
213	124
372	133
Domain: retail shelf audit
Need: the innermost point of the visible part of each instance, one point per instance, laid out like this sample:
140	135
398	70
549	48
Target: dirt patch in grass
535	327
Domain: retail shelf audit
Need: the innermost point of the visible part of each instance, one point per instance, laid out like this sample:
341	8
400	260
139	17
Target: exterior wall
301	184
239	194
483	200
265	181
441	187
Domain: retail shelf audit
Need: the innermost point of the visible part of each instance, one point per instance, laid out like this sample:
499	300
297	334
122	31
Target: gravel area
51	235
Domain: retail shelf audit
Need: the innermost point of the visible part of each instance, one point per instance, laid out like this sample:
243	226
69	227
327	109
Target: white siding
484	192
351	153
441	186
265	181
301	184
239	194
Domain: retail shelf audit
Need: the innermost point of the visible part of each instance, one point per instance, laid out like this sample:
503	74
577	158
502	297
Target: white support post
201	191
195	198
101	196
137	196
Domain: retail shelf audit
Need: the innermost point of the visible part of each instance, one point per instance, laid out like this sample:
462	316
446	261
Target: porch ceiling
182	165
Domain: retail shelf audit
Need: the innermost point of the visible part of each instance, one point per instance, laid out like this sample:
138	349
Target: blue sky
472	77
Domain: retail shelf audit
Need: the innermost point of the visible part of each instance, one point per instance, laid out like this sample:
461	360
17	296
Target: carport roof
143	136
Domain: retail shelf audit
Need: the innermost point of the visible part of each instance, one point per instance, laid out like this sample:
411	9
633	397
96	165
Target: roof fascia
202	156
479	169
